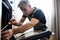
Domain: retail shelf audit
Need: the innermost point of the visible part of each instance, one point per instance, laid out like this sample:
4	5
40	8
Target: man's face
25	9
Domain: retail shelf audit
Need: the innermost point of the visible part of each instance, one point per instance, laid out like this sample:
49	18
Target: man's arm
8	33
20	22
27	26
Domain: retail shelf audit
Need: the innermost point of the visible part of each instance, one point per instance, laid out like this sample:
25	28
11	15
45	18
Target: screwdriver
4	28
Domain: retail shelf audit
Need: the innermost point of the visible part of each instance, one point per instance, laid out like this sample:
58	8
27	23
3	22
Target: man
36	17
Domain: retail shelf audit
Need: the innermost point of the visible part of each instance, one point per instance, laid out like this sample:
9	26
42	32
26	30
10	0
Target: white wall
0	16
0	11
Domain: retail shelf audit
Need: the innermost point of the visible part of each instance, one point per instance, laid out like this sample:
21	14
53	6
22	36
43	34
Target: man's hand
6	35
12	21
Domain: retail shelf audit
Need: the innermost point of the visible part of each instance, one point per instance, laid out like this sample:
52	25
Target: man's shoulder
37	10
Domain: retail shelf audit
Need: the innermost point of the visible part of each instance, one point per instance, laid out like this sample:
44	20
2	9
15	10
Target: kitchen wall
0	16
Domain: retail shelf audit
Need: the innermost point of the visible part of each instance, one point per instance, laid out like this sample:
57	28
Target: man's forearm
18	24
26	26
23	28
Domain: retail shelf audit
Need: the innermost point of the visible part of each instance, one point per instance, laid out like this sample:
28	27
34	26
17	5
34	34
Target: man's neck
31	10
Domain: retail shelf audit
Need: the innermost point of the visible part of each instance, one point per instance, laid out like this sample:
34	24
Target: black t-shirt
38	14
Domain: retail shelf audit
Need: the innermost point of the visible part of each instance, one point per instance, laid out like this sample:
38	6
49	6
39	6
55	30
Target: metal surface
34	35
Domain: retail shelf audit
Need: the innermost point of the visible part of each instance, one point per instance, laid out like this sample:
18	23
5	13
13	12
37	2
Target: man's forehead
23	6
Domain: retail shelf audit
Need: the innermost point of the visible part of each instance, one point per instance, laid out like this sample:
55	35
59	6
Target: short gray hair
23	2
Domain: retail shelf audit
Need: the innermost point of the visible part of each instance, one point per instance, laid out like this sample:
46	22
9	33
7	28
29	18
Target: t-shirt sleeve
40	16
